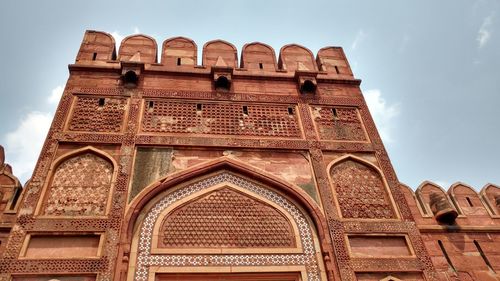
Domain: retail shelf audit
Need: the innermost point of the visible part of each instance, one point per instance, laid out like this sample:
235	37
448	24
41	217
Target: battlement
98	48
460	206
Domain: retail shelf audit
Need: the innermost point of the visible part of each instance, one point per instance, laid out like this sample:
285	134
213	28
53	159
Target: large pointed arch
223	163
88	150
383	187
154	193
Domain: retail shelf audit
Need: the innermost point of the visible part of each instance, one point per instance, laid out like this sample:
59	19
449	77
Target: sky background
430	69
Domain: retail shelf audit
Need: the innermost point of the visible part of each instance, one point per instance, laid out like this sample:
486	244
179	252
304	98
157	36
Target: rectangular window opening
337	70
486	261
101	102
335	114
261	66
94	56
469	201
151	104
199	107
290	111
245	110
446	255
179	61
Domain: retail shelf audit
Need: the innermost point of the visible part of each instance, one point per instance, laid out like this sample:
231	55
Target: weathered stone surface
281	175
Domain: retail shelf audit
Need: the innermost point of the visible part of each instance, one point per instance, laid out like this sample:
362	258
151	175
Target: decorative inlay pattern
226	218
338	123
94	114
145	259
360	191
80	187
220	119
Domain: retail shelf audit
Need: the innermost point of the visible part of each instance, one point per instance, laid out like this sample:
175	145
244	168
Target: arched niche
222	184
138	48
295	57
467	200
179	51
424	192
258	56
360	189
220	53
491	196
333	60
411	199
80	185
97	46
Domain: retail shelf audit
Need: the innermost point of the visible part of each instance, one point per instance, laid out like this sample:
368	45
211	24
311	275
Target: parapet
10	187
461	205
98	47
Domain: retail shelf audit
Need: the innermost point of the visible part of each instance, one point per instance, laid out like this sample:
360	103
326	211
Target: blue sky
430	69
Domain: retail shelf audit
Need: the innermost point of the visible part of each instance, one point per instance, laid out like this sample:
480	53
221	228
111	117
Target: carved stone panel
95	114
338	123
360	191
226	218
220	119
80	187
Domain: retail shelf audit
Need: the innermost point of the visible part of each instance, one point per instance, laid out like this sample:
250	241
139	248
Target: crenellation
219	53
179	51
180	54
96	46
138	48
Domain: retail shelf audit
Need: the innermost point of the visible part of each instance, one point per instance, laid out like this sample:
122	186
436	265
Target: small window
179	61
335	114
290	110
130	79
337	70
469	202
261	66
199	107
94	56
308	87
245	110
151	104
222	83
102	101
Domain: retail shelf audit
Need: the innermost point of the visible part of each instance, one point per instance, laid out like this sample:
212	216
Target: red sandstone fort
266	169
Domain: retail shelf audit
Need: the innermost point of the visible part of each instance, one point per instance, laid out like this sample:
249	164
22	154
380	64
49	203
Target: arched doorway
224	226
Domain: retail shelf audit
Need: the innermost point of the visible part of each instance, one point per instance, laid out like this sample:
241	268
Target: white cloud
118	37
382	113
484	33
56	94
23	145
360	36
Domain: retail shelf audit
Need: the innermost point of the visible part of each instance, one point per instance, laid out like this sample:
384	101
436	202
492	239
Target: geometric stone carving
80	187
94	114
220	119
360	191
338	123
226	218
148	262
